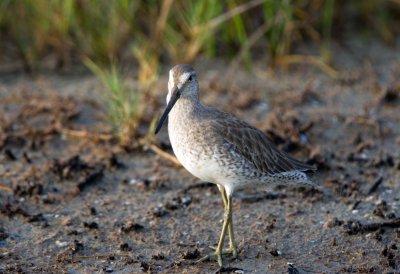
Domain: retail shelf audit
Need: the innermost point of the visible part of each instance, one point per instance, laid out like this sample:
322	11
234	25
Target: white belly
194	158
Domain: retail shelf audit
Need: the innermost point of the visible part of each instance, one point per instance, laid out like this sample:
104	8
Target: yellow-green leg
232	246
226	226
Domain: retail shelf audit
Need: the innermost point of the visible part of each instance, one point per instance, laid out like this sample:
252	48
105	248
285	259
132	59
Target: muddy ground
73	201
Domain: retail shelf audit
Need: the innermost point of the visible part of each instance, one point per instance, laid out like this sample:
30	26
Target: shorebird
216	147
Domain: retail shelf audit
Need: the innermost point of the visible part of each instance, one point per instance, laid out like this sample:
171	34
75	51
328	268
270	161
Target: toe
234	254
216	254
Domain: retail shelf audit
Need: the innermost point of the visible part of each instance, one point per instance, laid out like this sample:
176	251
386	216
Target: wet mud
82	203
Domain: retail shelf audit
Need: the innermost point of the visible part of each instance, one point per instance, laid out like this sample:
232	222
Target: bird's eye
190	78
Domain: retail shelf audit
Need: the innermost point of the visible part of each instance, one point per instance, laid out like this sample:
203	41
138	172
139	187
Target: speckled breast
191	151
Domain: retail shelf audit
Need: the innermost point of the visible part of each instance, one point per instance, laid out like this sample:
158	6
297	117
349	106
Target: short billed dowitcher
217	147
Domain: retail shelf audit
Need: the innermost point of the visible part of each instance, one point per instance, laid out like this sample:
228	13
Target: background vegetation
102	34
179	30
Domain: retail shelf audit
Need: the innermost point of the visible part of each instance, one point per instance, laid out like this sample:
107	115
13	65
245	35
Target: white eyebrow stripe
184	77
171	76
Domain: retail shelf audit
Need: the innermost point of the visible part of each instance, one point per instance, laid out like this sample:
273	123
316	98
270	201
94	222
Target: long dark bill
174	97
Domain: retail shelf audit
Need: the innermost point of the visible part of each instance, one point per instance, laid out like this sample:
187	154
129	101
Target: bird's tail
295	178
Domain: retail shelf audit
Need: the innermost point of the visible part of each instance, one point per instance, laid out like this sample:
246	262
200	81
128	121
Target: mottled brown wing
255	146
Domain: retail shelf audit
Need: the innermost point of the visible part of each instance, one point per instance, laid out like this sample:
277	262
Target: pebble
61	244
2	170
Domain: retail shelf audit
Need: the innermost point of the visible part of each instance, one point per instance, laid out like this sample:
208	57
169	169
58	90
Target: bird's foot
217	254
227	251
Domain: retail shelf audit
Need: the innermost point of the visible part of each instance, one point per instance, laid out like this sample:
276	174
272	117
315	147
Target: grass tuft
151	33
123	109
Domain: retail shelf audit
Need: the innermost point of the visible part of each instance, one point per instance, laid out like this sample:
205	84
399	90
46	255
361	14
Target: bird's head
183	85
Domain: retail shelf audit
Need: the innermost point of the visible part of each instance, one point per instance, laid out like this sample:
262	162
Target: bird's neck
185	108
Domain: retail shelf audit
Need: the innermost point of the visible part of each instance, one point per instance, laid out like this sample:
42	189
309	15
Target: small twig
355	227
5	188
102	256
375	186
356	204
187	244
200	31
86	134
257	35
375	226
74	258
108	137
230	14
164	155
162	20
229	269
48	237
313	60
175	263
